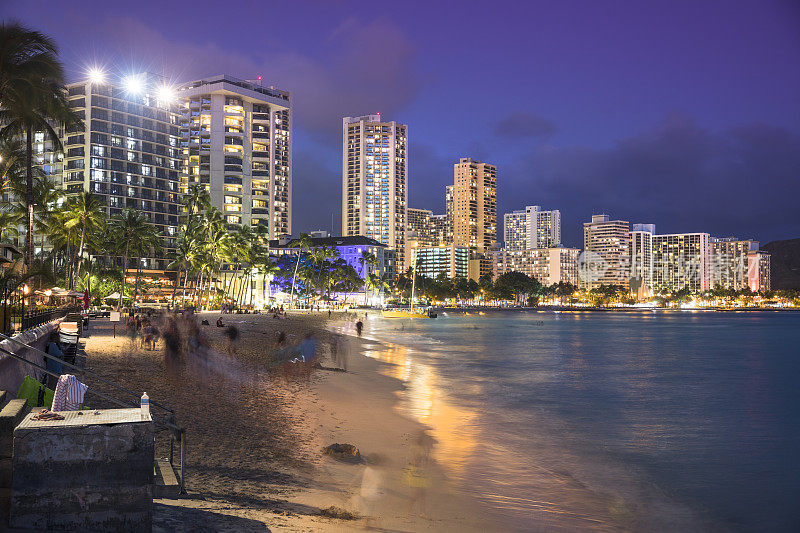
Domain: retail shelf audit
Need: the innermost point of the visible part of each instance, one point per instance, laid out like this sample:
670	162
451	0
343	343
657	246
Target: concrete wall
83	478
12	372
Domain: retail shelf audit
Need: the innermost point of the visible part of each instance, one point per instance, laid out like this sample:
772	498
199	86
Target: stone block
5	472
10	416
87	472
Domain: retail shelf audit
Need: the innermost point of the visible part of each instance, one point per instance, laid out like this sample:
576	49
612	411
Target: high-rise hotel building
474	205
128	152
236	138
681	261
606	245
531	228
449	212
641	259
374	181
738	263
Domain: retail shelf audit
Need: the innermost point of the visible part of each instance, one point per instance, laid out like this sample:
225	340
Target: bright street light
133	84
165	94
97	76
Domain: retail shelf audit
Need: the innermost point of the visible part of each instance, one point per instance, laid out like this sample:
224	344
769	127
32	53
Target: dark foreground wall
83	474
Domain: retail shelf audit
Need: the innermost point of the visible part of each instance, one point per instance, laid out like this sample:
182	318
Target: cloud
741	181
317	193
365	66
524	126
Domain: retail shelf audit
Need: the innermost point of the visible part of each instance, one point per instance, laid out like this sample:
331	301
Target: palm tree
8	225
12	163
267	269
196	200
303	243
180	260
133	233
87	211
367	258
33	96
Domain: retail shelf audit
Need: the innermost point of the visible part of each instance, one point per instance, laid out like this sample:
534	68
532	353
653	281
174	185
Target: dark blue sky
681	113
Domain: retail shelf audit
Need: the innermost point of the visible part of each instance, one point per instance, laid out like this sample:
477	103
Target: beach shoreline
255	449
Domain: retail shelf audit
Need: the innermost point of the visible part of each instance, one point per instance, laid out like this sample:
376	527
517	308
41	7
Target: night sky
685	114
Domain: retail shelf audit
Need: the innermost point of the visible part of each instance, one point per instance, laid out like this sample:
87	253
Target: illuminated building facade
420	222
681	261
440	228
738	263
236	138
547	265
606	246
730	262
532	228
128	151
475	212
515	230
449	210
641	259
451	261
374	174
759	271
350	250
474	205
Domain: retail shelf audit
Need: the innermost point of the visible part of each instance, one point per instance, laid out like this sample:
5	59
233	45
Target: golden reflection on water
453	427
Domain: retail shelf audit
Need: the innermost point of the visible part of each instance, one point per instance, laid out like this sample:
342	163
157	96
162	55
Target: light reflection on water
614	421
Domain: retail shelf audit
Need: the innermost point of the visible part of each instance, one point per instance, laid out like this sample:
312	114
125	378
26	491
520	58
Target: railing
32	319
16	320
168	420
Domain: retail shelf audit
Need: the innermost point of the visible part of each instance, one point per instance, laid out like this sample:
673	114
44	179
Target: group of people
296	360
145	328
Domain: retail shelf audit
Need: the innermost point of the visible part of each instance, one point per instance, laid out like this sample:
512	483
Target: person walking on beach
369	493
359	327
232	333
415	473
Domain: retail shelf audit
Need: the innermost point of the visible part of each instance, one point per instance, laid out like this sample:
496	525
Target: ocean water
649	421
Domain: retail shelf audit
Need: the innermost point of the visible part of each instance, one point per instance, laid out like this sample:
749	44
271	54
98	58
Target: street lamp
97	76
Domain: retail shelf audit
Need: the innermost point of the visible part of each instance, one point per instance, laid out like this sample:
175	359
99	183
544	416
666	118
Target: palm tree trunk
80	250
185	282
136	280
124	271
29	194
175	286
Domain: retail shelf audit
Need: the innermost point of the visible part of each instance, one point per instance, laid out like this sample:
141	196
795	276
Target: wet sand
255	440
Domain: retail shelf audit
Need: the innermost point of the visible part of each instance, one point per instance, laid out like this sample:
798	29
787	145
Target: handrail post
183	461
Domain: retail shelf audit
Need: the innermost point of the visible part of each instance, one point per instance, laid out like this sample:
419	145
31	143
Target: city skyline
570	127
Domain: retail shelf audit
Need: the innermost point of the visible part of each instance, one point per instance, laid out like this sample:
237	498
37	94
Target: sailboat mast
413	275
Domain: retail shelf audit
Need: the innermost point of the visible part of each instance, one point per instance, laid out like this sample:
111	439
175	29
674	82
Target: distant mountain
785	263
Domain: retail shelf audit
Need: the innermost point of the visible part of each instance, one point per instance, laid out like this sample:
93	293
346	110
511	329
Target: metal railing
176	432
34	318
16	319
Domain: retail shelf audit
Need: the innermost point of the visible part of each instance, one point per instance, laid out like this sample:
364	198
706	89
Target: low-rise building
350	249
452	261
547	265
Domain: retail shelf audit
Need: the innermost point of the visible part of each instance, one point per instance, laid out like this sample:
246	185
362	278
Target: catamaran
409	312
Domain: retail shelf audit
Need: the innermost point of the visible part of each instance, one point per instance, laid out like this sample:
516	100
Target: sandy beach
255	440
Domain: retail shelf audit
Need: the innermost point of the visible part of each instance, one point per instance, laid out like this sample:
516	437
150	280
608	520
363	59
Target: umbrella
113	295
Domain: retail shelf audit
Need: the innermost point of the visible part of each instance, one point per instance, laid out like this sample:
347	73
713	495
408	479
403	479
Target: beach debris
338	512
343	452
46	414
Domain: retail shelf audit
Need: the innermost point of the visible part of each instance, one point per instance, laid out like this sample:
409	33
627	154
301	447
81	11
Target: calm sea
652	421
